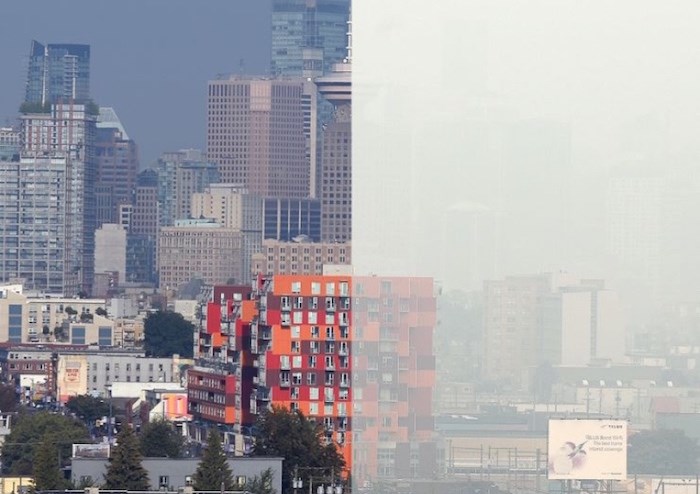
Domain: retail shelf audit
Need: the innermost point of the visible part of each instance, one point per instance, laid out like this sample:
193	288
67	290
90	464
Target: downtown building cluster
268	200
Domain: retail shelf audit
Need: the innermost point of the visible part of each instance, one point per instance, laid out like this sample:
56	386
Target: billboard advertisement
587	450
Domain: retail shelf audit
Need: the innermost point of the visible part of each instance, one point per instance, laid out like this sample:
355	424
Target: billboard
99	450
587	450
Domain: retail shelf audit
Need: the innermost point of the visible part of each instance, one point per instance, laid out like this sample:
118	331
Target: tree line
40	445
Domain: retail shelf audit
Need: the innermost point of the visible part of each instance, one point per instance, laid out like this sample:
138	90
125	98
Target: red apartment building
353	353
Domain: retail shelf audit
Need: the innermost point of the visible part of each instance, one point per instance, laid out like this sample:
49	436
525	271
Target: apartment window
313	303
296	347
312	361
296	332
315	333
296	378
313	317
311	379
315	288
296	287
313	408
330	333
330	289
296	361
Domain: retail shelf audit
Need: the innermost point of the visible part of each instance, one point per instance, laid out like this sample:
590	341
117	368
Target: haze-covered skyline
150	61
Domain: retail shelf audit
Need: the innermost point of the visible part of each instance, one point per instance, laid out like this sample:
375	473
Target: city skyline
152	81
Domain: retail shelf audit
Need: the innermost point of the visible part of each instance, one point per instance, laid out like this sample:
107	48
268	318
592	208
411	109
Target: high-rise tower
58	72
255	134
308	36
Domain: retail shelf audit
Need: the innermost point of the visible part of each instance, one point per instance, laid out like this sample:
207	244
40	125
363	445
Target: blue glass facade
58	72
286	219
77	335
105	336
306	34
14	323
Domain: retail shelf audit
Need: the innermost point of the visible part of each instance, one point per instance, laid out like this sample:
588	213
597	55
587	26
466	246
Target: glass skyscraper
58	72
308	36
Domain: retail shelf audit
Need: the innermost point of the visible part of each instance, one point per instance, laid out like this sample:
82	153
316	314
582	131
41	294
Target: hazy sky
524	109
150	59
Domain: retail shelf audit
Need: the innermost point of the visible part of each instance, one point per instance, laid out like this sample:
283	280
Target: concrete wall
176	471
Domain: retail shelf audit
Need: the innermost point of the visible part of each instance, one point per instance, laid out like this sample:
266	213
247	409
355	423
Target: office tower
198	249
232	207
301	258
581	324
289	342
181	174
511	318
144	222
554	319
255	133
110	250
290	219
117	166
58	73
308	36
47	204
335	178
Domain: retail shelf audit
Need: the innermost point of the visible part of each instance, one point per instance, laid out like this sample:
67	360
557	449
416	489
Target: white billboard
587	450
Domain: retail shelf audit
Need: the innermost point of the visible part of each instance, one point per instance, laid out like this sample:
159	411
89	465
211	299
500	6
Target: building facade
308	36
117	166
198	250
290	219
232	207
354	354
299	257
58	72
47	203
335	177
110	249
255	133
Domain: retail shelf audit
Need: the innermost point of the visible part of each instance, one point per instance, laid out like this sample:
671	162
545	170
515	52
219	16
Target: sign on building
587	450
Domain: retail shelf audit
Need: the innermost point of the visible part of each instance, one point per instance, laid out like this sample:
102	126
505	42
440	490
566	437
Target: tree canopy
47	471
160	439
262	484
29	431
125	471
291	435
167	333
213	469
662	452
88	408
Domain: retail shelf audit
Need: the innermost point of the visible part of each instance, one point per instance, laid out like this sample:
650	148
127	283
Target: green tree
662	452
167	333
27	434
9	400
125	471
160	439
88	408
213	470
301	442
47	472
262	484
101	312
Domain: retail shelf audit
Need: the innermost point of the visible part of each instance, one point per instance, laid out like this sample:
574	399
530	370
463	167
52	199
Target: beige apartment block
198	250
299	258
